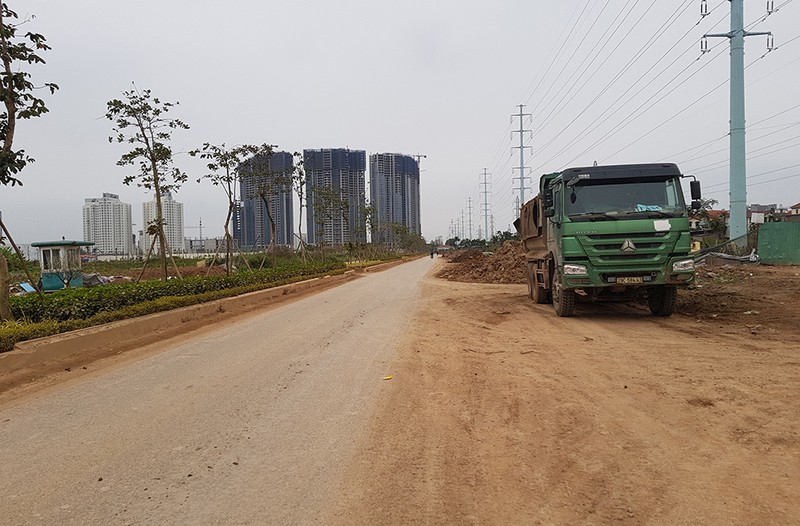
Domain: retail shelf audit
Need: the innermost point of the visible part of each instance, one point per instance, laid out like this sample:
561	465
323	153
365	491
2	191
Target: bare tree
141	120
267	184
223	166
299	185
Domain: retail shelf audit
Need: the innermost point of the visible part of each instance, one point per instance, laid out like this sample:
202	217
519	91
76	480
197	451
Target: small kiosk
61	263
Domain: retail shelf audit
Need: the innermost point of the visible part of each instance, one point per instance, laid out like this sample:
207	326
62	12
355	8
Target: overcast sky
613	81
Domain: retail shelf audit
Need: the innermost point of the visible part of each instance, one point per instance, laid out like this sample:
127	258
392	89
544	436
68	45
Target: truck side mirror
696	205
695	190
549	212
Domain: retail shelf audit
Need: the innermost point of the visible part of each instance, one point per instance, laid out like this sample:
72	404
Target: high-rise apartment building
172	211
335	191
107	223
262	180
394	194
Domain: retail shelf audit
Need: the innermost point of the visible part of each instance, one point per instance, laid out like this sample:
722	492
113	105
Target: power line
569	60
597	122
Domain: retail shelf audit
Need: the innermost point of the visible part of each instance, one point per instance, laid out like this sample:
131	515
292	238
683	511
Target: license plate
629	280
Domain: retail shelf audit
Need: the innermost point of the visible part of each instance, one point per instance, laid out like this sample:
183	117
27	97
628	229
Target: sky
612	81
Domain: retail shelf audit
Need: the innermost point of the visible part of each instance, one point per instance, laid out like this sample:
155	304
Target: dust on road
502	413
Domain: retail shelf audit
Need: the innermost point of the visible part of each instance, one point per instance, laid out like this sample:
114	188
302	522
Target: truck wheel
539	294
563	299
662	300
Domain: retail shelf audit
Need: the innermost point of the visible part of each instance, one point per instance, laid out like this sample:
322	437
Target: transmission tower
485	205
738	153
522	177
469	207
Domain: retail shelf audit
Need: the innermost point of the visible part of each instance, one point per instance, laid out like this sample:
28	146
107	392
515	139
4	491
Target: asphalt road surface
252	422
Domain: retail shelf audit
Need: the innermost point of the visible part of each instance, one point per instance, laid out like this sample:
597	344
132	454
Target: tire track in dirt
502	413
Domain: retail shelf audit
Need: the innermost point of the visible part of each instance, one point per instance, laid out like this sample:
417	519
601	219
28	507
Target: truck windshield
630	198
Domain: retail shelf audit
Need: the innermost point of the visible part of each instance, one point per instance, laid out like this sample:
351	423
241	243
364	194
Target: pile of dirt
760	298
465	256
507	265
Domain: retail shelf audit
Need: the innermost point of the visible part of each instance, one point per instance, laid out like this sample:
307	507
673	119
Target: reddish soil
757	299
504	266
154	271
500	412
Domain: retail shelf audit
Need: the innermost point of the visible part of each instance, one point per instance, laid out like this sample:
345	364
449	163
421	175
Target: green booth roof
62	243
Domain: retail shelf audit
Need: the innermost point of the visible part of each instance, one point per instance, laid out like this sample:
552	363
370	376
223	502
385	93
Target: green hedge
84	303
13	332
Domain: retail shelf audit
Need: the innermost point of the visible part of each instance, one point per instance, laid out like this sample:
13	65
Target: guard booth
61	263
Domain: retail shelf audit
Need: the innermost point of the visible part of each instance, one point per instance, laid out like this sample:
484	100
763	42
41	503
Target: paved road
253	423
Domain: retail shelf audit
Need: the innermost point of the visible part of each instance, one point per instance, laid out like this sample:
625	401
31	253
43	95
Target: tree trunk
162	240
273	231
229	240
5	282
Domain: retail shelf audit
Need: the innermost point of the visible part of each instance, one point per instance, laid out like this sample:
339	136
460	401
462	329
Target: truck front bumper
578	275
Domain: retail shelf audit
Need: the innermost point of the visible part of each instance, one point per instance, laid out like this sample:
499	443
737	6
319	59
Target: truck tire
563	299
539	294
662	300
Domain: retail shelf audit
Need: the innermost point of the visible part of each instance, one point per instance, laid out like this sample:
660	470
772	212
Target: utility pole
521	147
463	230
492	230
516	207
485	192
738	153
469	207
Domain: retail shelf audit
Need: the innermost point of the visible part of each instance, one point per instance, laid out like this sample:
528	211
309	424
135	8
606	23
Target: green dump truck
605	233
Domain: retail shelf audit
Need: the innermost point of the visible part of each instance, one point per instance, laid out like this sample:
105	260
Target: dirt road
251	422
502	413
497	412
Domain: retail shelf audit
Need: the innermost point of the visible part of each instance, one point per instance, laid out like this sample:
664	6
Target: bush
84	303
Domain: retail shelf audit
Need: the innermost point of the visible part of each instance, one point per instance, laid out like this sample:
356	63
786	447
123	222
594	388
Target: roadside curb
40	357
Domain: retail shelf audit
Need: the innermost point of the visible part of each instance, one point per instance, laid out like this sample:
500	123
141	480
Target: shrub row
84	303
13	332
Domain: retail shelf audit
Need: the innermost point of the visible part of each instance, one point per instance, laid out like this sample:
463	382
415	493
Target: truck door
554	225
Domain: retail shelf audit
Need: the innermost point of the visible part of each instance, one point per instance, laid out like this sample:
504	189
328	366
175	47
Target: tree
404	239
327	204
141	120
267	184
501	237
299	185
223	165
17	91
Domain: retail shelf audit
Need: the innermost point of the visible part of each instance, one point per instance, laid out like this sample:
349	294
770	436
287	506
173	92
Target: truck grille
651	248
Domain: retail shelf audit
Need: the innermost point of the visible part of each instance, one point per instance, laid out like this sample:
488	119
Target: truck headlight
686	264
574	270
